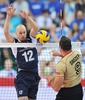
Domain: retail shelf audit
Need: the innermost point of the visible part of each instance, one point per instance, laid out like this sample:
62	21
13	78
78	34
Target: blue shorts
26	84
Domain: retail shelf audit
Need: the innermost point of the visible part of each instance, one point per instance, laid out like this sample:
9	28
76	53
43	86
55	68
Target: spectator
44	21
69	11
21	4
47	69
3	5
82	37
62	30
82	40
53	33
36	7
42	64
79	5
80	20
83	6
2	38
8	71
6	53
75	32
54	6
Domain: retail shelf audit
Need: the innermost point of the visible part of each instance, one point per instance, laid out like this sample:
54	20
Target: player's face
21	33
8	64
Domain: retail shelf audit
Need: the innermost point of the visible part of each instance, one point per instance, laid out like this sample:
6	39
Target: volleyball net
46	65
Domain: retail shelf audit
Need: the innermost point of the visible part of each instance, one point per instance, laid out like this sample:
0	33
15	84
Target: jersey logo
58	73
24	49
21	92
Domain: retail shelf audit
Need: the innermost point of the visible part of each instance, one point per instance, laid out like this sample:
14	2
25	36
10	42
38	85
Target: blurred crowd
48	15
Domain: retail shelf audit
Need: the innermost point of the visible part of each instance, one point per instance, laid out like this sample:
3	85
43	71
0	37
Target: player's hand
23	14
56	53
10	11
50	78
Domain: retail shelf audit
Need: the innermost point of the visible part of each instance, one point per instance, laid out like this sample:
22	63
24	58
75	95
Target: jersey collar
67	53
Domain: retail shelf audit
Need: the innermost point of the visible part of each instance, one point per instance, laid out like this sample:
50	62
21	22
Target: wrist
60	55
8	16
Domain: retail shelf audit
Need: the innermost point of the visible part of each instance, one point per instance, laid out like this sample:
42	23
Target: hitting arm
56	53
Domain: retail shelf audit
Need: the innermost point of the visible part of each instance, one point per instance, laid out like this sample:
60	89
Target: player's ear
60	49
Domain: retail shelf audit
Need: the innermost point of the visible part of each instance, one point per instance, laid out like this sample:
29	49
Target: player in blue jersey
27	80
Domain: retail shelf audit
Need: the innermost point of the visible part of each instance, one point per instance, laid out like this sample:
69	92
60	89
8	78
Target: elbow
36	27
5	31
56	89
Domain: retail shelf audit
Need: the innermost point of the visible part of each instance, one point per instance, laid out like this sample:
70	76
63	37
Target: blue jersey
27	58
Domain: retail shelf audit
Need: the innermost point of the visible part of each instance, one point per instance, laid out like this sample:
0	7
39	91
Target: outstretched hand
10	11
23	14
51	78
56	53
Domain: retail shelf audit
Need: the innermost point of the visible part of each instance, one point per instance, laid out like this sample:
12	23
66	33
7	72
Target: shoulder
15	40
75	52
33	39
61	62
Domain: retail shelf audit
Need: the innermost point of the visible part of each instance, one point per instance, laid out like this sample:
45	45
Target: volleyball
42	36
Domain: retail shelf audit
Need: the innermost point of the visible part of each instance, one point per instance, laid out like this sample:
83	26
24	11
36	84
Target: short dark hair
65	43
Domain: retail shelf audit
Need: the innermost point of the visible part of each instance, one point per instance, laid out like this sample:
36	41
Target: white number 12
28	53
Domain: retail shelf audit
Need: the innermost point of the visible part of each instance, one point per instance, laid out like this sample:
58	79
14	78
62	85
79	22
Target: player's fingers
28	14
11	5
22	11
53	50
20	14
14	9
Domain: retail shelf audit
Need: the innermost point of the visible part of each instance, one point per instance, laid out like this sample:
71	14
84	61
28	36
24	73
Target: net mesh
47	64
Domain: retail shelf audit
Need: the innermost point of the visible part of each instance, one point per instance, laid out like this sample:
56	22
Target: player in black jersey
27	80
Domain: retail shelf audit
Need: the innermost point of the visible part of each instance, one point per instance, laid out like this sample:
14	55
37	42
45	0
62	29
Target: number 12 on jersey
28	55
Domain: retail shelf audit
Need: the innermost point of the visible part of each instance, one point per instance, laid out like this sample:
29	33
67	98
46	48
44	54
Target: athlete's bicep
9	37
33	32
59	77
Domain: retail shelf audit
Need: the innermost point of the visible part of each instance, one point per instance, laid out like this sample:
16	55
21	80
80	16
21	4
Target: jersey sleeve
60	69
33	39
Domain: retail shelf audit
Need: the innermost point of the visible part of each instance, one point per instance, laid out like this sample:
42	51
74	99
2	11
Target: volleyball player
67	81
27	80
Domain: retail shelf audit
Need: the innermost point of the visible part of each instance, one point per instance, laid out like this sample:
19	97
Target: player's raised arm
10	12
56	53
31	21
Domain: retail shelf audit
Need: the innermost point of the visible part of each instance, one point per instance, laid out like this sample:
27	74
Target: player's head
21	32
65	44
